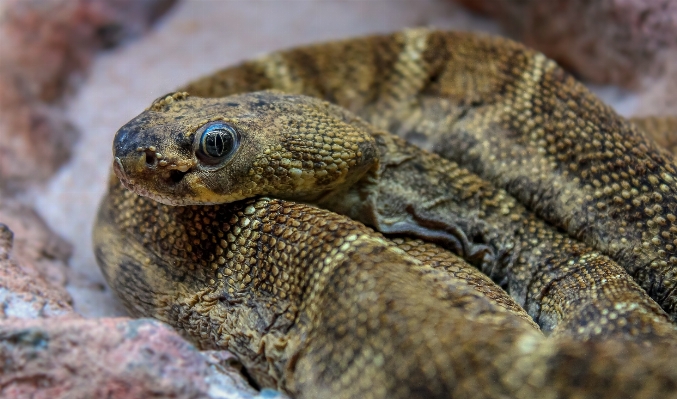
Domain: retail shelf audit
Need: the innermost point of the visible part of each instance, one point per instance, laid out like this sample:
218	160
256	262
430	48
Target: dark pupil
218	142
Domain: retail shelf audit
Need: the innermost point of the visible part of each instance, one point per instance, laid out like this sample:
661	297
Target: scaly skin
320	306
508	114
663	129
293	316
302	148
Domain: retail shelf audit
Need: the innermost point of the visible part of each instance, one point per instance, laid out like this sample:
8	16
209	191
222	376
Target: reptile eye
216	142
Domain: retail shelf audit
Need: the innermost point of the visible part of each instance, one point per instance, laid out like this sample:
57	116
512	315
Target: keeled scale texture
323	308
508	114
424	84
567	287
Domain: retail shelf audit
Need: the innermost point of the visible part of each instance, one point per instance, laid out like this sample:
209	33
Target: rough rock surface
49	351
606	41
45	46
110	358
32	265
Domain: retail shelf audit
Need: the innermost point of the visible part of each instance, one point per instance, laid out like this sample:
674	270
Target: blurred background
79	69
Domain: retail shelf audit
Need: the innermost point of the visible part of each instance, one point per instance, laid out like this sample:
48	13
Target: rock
607	41
33	265
111	358
23	296
46	46
659	97
49	351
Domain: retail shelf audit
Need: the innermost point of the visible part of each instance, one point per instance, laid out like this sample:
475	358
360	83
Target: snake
213	146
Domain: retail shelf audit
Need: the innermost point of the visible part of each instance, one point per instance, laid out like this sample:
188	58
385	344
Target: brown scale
567	287
437	258
322	307
387	81
663	129
508	114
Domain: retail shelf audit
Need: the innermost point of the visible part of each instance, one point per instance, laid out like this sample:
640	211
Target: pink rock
45	45
110	358
48	351
606	41
32	265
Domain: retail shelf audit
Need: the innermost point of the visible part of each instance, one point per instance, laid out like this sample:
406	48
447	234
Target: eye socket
216	142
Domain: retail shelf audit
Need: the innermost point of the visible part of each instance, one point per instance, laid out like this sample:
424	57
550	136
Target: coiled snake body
320	305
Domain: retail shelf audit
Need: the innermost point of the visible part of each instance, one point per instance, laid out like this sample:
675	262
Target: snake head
186	150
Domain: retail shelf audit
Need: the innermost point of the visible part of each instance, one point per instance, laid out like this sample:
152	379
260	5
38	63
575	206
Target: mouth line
119	170
171	177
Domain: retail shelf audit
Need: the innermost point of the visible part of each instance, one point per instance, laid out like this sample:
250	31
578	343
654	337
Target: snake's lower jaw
119	170
140	189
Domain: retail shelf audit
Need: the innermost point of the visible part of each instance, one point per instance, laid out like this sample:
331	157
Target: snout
152	162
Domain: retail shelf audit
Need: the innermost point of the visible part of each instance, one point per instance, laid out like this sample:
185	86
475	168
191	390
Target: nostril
150	158
176	175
